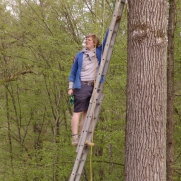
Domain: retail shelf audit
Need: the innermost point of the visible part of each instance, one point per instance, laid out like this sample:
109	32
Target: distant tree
170	91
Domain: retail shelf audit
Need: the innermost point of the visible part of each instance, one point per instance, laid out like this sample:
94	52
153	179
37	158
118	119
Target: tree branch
15	76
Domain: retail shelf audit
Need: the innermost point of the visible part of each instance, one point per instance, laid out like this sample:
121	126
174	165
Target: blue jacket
77	65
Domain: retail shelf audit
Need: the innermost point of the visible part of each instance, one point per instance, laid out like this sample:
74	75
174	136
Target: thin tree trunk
145	149
9	135
170	92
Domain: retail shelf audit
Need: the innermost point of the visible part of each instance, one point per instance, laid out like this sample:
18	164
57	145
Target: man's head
92	41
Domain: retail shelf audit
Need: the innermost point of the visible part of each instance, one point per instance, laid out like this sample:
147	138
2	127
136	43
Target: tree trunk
170	92
9	134
145	149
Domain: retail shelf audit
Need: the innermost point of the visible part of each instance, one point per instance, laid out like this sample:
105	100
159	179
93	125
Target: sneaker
75	140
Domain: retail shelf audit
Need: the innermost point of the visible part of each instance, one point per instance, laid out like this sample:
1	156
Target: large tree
145	149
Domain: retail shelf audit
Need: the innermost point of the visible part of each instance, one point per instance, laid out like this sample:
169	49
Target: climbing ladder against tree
97	96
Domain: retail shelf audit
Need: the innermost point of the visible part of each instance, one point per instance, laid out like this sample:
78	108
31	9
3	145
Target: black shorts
82	98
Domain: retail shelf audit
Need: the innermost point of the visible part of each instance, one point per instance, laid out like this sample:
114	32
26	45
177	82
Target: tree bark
145	149
170	92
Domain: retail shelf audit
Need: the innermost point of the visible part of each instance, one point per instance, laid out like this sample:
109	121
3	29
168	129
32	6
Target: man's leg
75	122
82	121
75	126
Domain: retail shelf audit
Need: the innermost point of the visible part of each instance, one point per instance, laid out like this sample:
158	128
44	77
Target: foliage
38	41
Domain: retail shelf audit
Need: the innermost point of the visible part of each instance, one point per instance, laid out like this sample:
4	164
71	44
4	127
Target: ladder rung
82	160
89	143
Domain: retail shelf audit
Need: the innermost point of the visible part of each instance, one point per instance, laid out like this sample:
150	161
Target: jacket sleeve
101	47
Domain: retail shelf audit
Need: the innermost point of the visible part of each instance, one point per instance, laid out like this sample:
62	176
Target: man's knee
77	114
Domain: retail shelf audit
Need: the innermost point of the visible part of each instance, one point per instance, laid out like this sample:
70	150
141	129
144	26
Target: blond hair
95	39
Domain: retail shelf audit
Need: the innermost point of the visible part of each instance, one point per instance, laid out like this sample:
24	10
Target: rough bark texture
145	149
170	92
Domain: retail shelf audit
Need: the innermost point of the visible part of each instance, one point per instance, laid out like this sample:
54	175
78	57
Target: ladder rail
108	57
81	166
99	87
107	46
92	103
97	96
104	61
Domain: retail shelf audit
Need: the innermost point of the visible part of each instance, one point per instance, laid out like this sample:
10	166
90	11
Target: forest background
38	42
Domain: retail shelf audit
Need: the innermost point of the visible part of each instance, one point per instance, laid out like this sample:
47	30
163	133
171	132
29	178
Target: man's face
89	43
